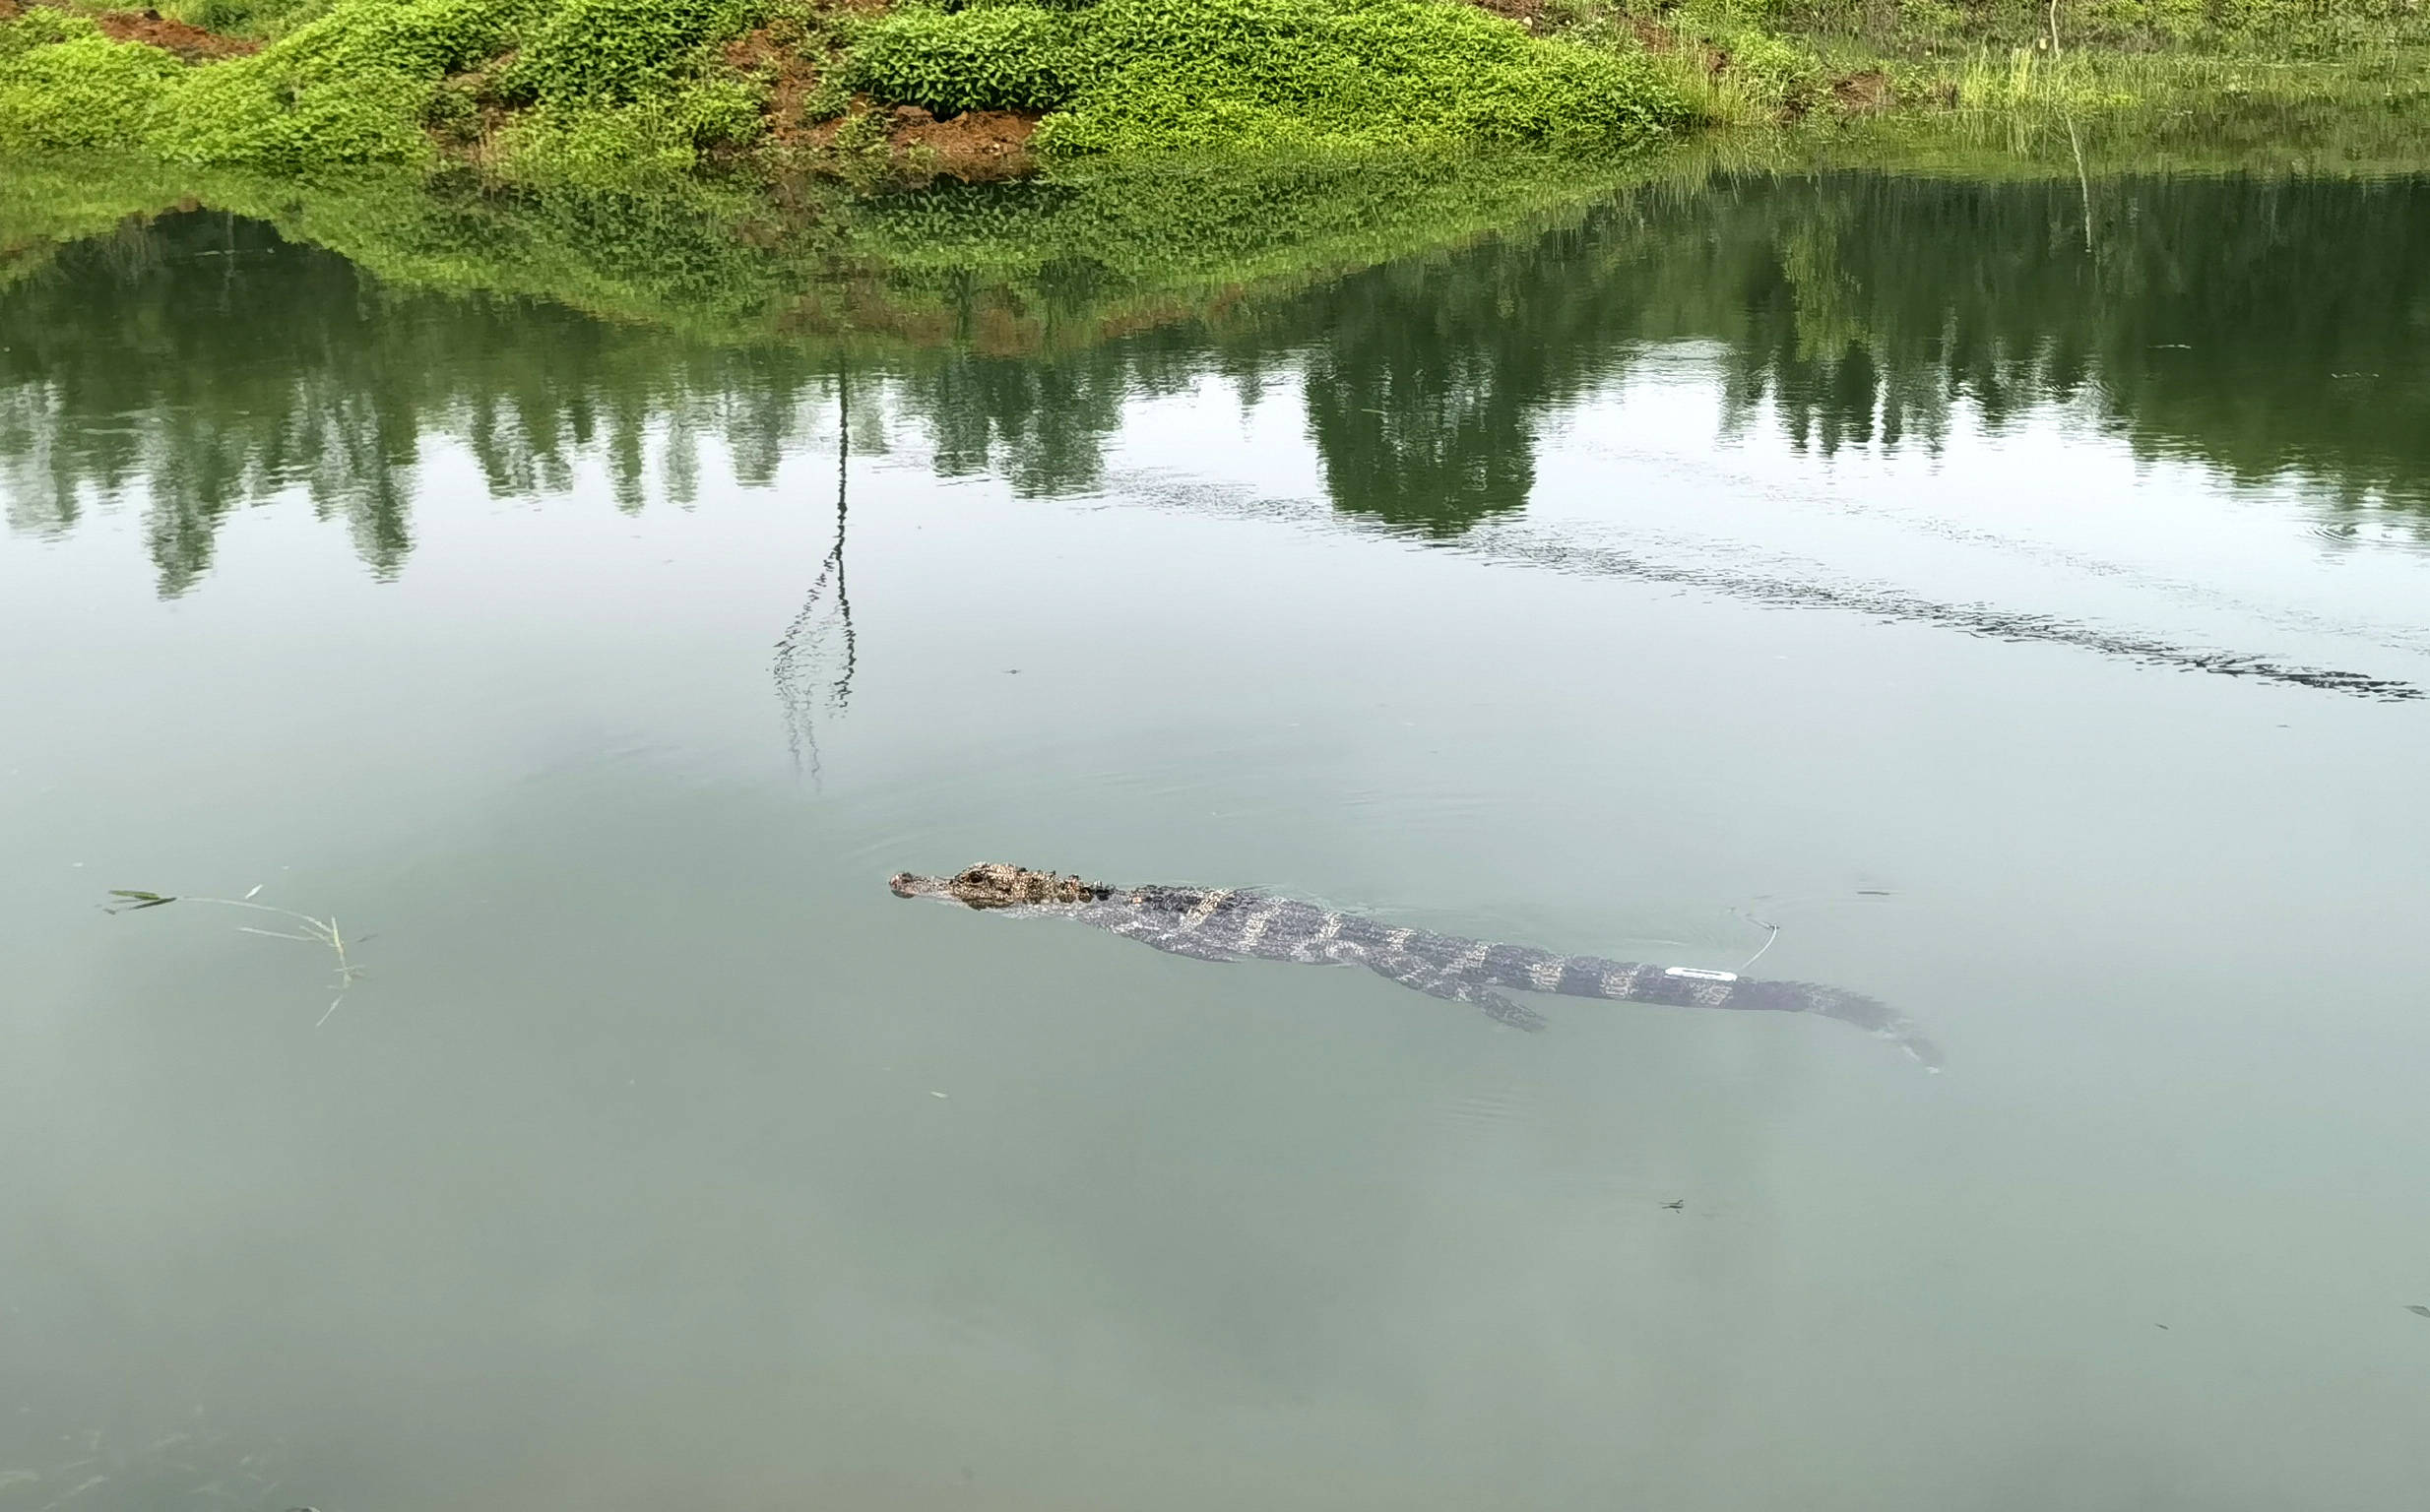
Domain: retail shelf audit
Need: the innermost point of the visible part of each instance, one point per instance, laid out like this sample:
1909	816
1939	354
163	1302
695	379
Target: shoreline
876	94
1068	260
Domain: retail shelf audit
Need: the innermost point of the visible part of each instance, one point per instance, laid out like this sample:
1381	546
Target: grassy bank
535	89
874	91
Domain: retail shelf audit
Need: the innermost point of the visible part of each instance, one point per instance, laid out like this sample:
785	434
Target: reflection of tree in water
200	363
161	355
1421	392
817	653
1042	423
2254	325
2257	326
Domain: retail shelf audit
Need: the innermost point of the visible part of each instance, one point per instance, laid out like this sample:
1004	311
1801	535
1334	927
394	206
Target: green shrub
454	111
620	50
861	134
634	83
63	85
1318	73
261	118
622	81
1922	19
352	86
828	98
590	143
1289	75
1773	72
42	28
1010	57
253	17
595	145
720	112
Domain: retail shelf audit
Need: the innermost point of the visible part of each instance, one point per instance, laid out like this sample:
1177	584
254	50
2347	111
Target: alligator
1231	925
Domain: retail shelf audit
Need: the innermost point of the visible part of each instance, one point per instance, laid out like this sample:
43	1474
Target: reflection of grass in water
1068	262
1009	268
313	931
1101	251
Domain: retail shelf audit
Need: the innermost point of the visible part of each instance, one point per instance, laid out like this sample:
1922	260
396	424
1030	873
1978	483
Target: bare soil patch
975	145
190	42
791	75
1864	94
153	30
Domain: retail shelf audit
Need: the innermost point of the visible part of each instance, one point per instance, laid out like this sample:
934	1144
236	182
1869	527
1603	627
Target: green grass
556	89
351	87
594	90
618	51
1770	62
1160	76
63	85
2278	28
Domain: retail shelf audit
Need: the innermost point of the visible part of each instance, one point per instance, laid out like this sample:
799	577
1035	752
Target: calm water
2027	611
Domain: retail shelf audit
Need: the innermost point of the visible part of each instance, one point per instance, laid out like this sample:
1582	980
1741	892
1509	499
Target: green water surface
2017	589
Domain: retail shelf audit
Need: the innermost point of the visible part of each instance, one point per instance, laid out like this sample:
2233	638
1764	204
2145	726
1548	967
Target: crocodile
1231	925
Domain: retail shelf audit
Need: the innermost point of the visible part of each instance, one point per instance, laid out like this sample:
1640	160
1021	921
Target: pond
2006	598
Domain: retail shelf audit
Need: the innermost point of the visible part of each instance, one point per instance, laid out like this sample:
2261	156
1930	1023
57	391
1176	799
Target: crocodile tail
1869	1014
1696	987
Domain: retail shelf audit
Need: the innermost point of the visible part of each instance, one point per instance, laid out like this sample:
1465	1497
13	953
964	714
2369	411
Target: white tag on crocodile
1698	974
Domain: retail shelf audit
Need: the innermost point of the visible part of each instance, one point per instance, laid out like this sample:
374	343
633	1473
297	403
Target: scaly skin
1222	924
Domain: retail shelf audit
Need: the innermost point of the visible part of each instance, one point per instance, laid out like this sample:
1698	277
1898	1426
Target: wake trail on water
1521	546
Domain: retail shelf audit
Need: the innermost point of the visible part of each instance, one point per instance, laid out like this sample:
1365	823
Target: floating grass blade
315	931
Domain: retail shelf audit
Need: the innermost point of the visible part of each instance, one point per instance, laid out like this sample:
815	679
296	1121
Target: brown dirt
1654	36
791	75
151	28
976	144
190	42
974	147
1865	93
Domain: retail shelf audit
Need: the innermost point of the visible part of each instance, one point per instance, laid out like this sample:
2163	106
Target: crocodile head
994	885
